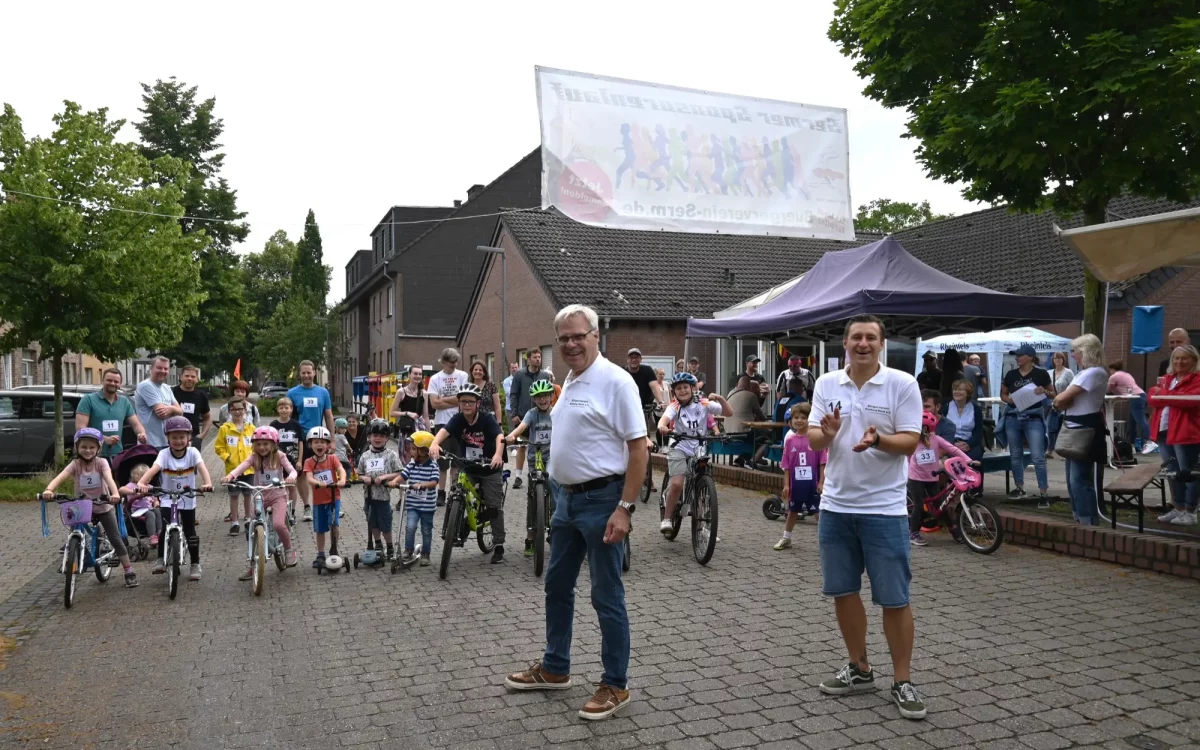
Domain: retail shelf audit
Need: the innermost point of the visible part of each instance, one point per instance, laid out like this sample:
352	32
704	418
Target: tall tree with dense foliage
309	271
299	329
176	124
269	274
97	263
1060	104
888	216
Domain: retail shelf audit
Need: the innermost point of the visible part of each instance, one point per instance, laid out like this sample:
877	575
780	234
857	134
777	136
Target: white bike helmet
318	433
470	389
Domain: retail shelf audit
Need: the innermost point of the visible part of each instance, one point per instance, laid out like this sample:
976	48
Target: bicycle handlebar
275	484
60	498
453	458
709	438
160	492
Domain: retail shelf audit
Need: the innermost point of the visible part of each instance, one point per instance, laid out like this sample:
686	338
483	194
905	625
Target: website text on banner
630	155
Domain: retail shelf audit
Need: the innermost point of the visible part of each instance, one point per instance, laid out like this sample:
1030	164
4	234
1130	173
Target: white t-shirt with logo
872	481
597	413
446	385
1094	383
179	474
691	420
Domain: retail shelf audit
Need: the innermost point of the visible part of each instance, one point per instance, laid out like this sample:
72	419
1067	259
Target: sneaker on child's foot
308	513
247	574
233	530
917	539
529	548
131	580
666	526
195	574
517	483
782	544
850	679
320	561
425	560
904	695
291	558
498	554
407	556
159	567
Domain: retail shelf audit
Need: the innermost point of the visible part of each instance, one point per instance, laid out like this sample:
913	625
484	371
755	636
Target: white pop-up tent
996	345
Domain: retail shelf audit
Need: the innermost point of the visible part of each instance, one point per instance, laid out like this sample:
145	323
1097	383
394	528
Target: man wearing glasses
598	460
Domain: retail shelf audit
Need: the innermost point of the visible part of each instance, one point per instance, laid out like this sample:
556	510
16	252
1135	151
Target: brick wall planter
734	476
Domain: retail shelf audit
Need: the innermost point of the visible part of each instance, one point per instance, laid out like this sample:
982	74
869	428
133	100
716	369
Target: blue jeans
577	531
1081	485
1139	426
1029	433
425	518
850	543
1177	457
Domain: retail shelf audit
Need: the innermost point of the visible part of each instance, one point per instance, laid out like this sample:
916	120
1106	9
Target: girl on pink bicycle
923	467
269	464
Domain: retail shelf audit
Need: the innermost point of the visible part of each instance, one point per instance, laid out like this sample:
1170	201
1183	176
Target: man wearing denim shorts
869	418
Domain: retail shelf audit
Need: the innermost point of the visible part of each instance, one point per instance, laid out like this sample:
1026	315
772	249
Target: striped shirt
415	473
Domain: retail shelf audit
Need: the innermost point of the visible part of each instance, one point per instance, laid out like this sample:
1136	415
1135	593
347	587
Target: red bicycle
970	519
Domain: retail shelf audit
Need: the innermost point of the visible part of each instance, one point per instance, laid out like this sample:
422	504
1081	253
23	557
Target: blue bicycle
87	546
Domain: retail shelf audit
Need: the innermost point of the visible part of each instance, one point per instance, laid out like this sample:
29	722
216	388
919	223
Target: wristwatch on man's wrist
627	507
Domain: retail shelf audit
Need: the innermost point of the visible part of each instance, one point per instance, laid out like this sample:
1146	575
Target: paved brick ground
1022	649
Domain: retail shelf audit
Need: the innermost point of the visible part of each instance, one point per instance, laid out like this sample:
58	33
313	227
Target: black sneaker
391	554
441	502
849	680
517	483
320	561
131	580
904	695
498	554
1016	493
529	548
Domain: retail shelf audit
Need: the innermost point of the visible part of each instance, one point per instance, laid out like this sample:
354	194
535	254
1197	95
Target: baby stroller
136	540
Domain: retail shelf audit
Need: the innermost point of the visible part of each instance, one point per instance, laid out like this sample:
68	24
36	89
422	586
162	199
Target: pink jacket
924	464
287	473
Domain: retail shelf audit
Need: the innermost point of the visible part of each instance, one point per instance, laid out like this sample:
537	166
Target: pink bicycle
970	519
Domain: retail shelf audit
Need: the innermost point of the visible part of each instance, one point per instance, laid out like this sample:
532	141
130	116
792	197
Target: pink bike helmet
929	420
266	433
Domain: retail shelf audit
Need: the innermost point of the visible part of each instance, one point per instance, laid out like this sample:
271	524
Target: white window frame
391	300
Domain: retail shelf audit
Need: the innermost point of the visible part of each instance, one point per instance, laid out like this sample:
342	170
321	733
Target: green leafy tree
297	330
309	271
176	124
269	274
97	264
1060	104
888	216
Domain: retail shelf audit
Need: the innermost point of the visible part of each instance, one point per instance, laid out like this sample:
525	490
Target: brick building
24	367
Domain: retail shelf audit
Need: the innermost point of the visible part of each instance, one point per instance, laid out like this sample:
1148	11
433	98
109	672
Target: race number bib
926	456
231	441
803	474
287	436
189	408
473	453
541	436
110	425
375	464
247	440
310	402
325	476
89	481
178	482
270	475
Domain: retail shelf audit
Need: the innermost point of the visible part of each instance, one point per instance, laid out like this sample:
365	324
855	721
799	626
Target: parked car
273	389
27	428
75	388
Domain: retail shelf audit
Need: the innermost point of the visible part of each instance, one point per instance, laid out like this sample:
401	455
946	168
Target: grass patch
26	489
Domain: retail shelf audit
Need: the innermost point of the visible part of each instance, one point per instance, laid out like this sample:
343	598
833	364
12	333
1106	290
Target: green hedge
266	407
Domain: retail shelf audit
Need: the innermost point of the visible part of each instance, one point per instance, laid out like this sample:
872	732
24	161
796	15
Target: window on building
87	376
491	365
391	292
28	367
390	367
521	357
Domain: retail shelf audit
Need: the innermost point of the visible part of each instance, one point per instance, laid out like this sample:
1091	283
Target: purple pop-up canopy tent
883	279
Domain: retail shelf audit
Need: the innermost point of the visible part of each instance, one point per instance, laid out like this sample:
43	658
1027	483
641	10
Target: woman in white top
1061	376
1082	405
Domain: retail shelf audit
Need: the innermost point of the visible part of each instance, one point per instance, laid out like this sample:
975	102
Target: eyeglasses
237	411
574	338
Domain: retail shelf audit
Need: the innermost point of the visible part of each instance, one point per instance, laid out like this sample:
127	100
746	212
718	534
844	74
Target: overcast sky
369	105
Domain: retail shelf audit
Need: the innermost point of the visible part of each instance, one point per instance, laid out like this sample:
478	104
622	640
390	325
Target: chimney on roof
458	204
474	191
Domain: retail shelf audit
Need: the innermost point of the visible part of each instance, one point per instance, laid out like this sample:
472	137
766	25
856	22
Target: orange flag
237	370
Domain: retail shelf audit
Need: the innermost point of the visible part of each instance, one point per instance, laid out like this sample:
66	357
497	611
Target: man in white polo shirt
597	463
869	417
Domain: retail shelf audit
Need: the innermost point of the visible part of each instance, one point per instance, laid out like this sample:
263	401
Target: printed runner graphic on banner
630	155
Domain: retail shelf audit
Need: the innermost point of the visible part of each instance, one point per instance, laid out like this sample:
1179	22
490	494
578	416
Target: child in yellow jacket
234	444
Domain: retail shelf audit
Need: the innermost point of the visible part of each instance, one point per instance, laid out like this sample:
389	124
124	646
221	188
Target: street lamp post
503	299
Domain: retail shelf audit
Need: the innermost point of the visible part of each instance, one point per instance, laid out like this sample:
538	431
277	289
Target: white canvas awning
758	300
1120	250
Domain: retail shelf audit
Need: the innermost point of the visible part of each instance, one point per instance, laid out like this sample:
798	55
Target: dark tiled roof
1016	253
406	233
659	274
441	265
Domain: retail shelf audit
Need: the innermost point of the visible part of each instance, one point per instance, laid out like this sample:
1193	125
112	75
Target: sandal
228	517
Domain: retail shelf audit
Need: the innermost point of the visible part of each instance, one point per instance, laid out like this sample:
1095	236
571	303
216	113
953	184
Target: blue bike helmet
684	377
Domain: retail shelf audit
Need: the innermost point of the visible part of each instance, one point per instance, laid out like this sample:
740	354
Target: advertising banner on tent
630	155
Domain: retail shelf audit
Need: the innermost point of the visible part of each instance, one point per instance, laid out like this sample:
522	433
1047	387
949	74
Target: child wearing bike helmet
377	466
341	446
93	479
326	477
179	463
540	426
265	465
233	445
690	417
803	472
420	501
143	508
923	468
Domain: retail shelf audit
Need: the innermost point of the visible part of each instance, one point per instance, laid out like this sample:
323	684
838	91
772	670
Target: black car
27	429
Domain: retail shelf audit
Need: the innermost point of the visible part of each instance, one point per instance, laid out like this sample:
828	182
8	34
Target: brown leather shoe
604	703
536	678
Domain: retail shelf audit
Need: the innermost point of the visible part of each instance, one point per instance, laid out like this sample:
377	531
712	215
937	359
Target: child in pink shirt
803	472
923	466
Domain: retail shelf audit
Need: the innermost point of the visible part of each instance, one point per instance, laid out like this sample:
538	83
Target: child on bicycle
540	426
291	440
143	508
326	476
266	464
179	463
93	479
377	466
233	445
923	466
690	415
803	472
420	502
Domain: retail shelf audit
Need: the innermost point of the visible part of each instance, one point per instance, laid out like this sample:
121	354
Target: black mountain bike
699	498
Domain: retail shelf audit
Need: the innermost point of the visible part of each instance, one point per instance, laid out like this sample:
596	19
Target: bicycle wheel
277	555
454	521
174	555
258	560
483	529
704	519
645	494
101	565
539	527
71	570
676	520
979	524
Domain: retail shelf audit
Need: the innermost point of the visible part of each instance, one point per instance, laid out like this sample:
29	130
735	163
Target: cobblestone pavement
1018	650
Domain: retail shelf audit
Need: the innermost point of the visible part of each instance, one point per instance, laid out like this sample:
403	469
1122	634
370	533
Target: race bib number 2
89	481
